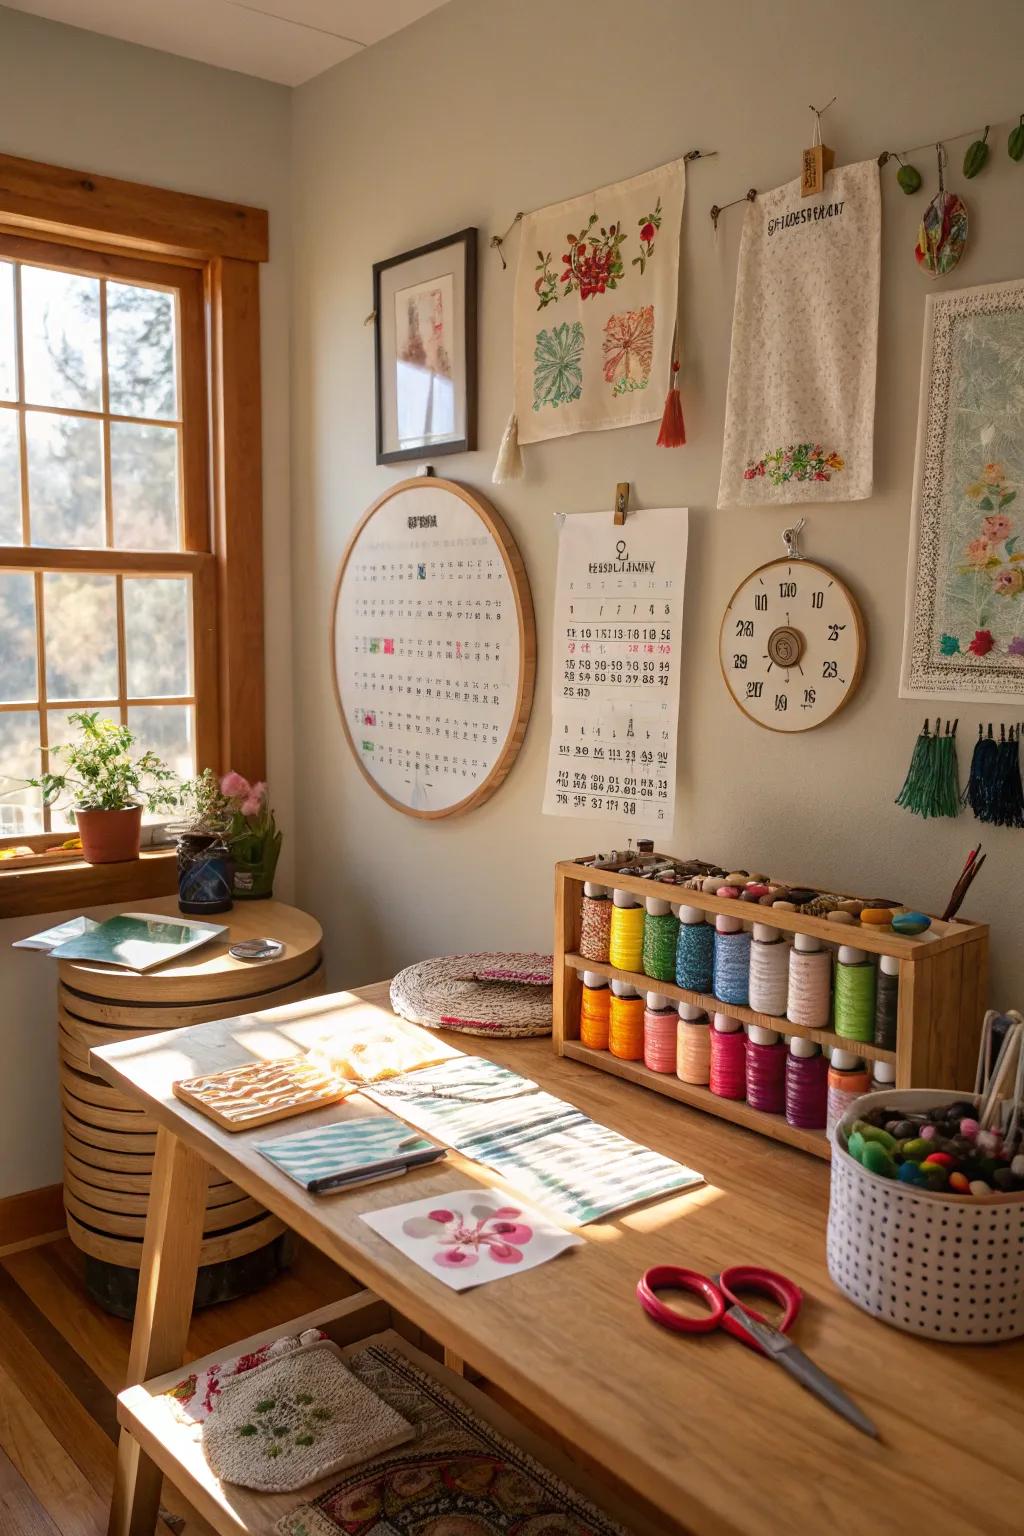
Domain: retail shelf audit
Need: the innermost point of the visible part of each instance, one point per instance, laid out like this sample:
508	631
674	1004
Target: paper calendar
615	668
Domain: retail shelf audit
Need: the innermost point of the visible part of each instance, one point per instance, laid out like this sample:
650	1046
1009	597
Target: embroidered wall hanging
799	420
596	294
964	635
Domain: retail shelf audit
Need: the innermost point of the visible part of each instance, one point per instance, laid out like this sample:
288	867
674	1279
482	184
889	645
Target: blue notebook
350	1152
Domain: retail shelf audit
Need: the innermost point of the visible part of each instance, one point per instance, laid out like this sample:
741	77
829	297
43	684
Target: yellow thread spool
626	940
625	1022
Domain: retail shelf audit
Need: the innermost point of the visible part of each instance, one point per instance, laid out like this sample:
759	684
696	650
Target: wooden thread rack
943	994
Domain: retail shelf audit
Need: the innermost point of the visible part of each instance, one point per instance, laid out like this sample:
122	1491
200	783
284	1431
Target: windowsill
76	885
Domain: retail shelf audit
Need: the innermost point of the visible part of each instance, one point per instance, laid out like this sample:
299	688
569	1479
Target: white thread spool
810	980
883	1073
769	971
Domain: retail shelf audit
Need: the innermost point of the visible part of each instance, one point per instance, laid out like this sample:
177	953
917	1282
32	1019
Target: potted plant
205	865
253	837
108	788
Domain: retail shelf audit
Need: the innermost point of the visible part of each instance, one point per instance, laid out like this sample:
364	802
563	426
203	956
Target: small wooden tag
817	160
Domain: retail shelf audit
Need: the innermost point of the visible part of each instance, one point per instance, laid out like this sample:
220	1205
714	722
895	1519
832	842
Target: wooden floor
62	1361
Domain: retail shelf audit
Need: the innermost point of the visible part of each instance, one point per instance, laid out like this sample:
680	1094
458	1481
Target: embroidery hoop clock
792	642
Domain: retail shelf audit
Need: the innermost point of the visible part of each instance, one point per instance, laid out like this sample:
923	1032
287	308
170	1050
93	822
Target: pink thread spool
660	1024
806	1084
728	1075
766	1070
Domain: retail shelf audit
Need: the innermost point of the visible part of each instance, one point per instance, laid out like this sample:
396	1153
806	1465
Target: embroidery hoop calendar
433	647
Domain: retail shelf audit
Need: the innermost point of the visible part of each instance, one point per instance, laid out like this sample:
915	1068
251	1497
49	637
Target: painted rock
728	890
1018	1165
877	1160
940	1159
841	917
911	922
756	888
910	1173
915	1150
959	1183
877	917
969	1127
979	1187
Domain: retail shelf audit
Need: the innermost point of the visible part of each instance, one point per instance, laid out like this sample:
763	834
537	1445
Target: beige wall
76	99
488	107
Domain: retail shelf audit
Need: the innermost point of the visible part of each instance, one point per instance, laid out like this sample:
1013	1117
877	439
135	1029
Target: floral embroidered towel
595	307
800	413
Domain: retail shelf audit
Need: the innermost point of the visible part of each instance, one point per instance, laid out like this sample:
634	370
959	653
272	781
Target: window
107	586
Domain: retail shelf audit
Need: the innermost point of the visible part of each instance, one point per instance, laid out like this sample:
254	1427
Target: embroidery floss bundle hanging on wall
595	323
932	784
994	791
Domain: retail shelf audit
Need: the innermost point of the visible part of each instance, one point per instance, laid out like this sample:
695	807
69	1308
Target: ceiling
284	40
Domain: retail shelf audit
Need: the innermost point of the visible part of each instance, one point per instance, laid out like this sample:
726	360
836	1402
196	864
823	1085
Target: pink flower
1016	646
233	785
978	551
647	232
1009	582
255	794
982	642
997	527
455	1258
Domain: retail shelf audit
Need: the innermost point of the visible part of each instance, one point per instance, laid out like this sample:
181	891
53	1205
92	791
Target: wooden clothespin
621	502
817	160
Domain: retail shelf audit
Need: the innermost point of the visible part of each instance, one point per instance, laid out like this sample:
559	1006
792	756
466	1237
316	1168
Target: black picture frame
466	441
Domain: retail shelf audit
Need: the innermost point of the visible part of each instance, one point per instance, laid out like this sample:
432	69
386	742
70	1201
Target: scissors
743	1323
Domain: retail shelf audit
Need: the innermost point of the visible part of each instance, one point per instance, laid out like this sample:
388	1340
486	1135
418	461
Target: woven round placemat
502	995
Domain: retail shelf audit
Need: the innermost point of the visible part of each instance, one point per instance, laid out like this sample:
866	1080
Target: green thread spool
854	1002
661	930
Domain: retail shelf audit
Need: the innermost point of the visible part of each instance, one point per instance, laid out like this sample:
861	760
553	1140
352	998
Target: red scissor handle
667	1277
744	1278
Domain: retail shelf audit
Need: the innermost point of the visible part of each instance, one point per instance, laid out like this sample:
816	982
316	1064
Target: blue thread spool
695	948
731	961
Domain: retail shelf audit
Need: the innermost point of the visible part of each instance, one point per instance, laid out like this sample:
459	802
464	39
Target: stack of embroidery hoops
502	995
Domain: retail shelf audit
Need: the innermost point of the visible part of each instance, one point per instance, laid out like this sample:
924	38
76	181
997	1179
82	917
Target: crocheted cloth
489	994
459	1476
296	1419
195	1396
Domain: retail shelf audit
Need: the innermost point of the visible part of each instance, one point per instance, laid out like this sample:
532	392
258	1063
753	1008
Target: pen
374	1170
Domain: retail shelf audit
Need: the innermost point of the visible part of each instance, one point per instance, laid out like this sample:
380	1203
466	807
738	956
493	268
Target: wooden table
109	1143
715	1437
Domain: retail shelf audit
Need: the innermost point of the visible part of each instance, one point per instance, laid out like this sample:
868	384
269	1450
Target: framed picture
964	635
425	333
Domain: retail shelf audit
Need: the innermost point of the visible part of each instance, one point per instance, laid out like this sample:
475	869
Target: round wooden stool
109	1142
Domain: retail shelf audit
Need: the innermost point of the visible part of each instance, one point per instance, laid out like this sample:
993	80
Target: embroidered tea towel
799	418
596	293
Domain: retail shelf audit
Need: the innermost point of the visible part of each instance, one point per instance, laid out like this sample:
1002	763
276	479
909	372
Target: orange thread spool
625	1023
594	1010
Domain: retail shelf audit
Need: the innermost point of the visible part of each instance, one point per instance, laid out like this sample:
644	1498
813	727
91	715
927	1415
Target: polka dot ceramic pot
944	1267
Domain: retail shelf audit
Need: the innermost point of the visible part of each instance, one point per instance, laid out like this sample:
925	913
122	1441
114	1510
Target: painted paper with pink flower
964	634
471	1236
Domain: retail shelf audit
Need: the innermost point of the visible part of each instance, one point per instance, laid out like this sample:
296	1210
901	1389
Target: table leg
170	1260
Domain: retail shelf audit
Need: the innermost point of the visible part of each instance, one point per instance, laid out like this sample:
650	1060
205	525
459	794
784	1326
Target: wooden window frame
210	252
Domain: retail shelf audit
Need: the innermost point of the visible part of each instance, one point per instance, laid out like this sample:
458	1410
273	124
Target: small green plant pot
255	867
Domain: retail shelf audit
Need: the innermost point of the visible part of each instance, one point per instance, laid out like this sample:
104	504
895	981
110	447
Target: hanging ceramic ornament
943	232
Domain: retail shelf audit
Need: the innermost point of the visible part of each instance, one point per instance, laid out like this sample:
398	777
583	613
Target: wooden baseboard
33	1217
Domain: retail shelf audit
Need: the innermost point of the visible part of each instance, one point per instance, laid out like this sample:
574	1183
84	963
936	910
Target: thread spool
660	1024
883	1076
595	922
625	1022
847	1080
765	1070
887	992
769	971
810	981
731	979
594	1010
695	950
728	1066
626	935
806	1085
661	929
854	1004
693	1045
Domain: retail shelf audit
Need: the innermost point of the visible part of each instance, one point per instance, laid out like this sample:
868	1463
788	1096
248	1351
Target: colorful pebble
959	1183
979	1187
728	890
928	1132
969	1127
877	1160
910	922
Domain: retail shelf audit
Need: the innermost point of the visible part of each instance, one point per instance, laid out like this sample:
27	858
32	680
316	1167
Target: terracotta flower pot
110	837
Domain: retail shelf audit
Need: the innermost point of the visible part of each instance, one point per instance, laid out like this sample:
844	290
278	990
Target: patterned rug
459	1477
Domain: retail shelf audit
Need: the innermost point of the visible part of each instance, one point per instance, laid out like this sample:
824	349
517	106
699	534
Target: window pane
21	809
65	481
166	729
140	351
60	730
80	619
17	637
156	623
10	479
144	486
8	368
60	326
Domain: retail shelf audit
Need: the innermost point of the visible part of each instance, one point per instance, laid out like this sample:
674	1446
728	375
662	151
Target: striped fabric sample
345	1145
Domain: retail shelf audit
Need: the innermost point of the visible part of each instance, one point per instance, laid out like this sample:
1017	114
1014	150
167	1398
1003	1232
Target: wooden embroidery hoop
527	635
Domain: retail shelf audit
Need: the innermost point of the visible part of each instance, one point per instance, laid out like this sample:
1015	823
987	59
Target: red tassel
673	428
